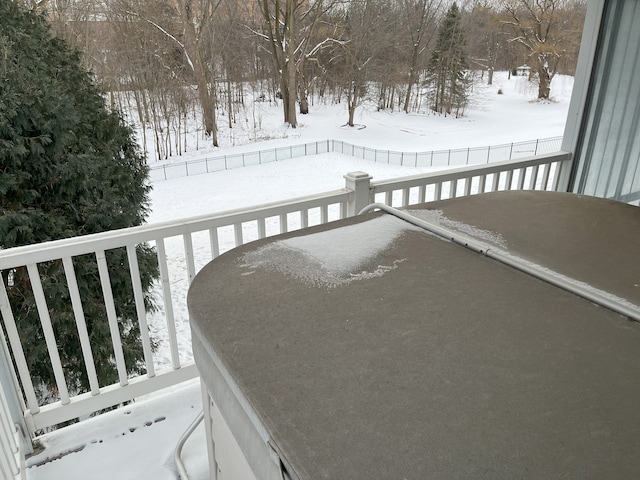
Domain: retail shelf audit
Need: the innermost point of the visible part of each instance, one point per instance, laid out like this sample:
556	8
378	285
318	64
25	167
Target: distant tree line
178	60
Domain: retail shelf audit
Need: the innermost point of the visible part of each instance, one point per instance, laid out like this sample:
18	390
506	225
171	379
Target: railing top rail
471	170
74	246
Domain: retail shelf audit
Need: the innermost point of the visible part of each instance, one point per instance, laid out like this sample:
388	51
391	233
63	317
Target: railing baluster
422	193
545	176
324	214
557	174
284	223
168	303
521	175
388	198
495	184
213	242
141	311
482	183
405	196
509	180
112	317
16	348
85	344
454	187
189	257
344	211
467	186
304	218
534	177
237	231
262	228
438	192
47	330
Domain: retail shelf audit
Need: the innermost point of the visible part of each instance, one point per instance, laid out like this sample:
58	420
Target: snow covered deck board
424	359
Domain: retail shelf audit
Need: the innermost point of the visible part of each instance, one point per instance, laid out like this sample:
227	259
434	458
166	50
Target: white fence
440	158
191	243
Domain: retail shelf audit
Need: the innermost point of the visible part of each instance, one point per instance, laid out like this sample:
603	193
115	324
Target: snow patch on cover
437	218
333	257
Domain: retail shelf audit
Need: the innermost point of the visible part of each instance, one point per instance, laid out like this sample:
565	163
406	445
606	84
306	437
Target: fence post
359	183
535	152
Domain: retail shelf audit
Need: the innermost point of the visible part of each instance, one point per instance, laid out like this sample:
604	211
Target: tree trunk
544	84
302	88
229	102
413	78
304	102
282	43
352	102
206	92
291	93
352	112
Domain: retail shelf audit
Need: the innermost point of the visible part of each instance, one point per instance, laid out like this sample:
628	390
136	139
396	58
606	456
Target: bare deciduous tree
545	30
367	40
280	21
197	16
420	18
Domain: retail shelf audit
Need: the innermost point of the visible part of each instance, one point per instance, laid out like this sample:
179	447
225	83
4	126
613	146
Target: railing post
359	183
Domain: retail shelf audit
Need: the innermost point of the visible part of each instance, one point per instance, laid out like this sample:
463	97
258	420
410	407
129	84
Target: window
608	155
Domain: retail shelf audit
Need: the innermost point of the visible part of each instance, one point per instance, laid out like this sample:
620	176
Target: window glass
609	153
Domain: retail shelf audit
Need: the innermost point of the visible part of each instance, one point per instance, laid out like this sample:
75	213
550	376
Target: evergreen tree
68	167
447	66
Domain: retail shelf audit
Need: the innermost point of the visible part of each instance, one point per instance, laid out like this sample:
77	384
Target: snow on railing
439	158
185	246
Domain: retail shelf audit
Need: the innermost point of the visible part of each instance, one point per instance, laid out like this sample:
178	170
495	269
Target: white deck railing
183	247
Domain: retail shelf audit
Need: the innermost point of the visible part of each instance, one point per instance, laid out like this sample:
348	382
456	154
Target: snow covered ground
137	442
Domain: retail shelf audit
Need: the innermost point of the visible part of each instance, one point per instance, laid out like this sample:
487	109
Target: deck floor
133	442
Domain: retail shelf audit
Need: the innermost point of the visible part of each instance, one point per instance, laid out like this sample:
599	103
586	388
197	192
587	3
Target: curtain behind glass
609	156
